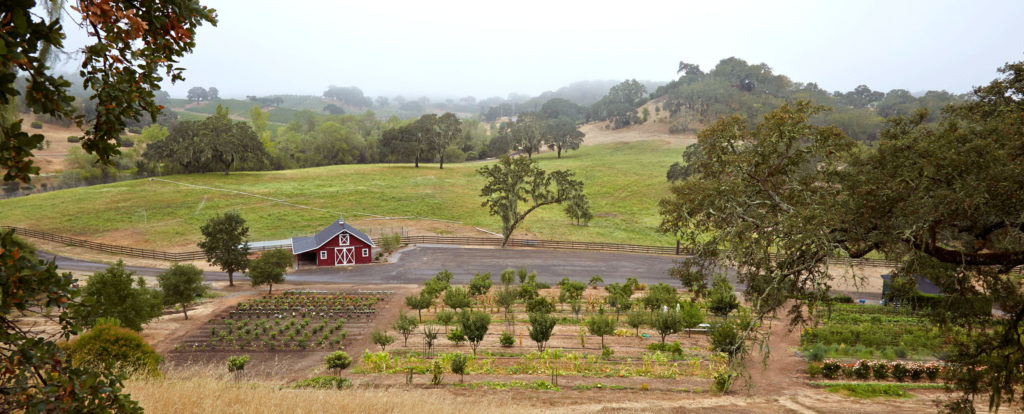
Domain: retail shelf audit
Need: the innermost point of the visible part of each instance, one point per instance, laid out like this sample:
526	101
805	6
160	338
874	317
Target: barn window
343	239
323	255
366	252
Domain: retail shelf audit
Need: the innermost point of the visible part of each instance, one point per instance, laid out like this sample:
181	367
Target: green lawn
624	182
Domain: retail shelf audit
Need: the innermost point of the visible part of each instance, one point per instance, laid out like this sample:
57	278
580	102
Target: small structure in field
339	244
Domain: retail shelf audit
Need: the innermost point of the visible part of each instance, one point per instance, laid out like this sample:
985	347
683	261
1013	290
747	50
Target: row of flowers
879	370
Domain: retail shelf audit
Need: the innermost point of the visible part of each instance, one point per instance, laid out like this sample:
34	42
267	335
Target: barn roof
305	244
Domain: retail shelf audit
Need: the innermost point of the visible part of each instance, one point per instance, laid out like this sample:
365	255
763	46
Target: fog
459	48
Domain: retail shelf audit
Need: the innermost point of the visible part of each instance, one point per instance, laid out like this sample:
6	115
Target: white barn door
344	256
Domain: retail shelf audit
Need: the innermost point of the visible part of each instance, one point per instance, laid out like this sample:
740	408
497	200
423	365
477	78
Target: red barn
338	245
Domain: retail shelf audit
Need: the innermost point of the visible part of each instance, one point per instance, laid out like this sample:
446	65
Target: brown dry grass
203	390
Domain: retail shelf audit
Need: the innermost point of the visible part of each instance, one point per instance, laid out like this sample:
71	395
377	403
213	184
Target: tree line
734	87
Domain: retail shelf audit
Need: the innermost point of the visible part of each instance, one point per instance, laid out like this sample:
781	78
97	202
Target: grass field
624	182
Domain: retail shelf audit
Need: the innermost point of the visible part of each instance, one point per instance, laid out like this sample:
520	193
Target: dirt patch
656	128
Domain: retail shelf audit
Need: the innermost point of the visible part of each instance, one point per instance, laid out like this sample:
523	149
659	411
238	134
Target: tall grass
212	390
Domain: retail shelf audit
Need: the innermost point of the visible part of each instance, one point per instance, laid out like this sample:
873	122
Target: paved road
419	263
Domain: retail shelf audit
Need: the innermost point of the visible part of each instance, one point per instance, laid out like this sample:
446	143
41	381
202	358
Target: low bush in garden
36	125
880	370
109	344
237	363
813	370
507	340
338	360
830	369
862	370
899	371
73	139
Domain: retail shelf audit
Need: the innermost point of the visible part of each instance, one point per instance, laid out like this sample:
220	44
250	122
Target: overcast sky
484	48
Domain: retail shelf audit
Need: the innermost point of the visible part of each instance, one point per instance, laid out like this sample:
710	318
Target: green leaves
511	181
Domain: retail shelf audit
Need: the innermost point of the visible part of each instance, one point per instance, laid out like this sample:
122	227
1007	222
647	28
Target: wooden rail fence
460	241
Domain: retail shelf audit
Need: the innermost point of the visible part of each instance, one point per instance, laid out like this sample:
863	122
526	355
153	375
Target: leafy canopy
225	243
944	199
181	285
269	268
515	181
115	294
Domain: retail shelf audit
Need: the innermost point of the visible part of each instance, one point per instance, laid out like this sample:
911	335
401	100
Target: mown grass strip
874	389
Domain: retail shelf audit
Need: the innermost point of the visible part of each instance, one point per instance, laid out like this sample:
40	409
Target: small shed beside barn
339	244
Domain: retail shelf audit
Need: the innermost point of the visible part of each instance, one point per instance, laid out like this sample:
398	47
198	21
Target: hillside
624	180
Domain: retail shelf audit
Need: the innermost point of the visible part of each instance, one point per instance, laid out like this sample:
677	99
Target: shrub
900	351
36	125
880	370
830	369
237	363
813	370
723	381
899	371
932	371
848	372
324	382
862	370
507	340
674	348
842	298
817	353
109	345
915	371
73	139
338	360
607	352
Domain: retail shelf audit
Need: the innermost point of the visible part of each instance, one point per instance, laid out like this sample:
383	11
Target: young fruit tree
405	325
515	181
601	325
541	326
474	325
270	268
382	339
456	298
458	365
225	243
419	302
181	284
667	322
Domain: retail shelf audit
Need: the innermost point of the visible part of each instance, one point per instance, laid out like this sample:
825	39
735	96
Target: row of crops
294	320
872	332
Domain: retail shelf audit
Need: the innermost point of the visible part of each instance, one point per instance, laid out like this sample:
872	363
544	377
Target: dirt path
782	373
387	314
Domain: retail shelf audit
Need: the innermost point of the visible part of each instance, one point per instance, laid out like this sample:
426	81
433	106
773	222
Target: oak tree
512	181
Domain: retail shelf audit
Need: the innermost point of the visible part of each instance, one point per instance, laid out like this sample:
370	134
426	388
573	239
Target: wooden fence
459	241
117	249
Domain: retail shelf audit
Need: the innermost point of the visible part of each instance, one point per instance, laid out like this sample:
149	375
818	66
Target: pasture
624	182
